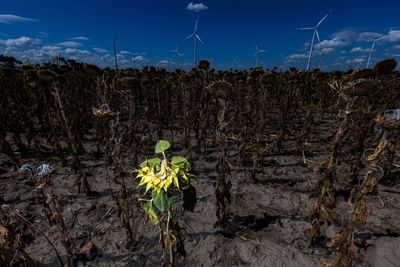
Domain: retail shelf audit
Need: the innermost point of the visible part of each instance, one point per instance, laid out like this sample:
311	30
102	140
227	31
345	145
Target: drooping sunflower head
157	174
220	89
386	66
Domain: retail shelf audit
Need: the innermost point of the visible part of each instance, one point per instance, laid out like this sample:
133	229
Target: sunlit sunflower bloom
162	179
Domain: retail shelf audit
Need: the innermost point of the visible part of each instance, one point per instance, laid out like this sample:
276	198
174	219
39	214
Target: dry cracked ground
269	216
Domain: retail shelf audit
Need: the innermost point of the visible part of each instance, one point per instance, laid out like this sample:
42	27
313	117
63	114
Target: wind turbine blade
306	29
195	25
256	47
380	38
374	39
190	36
319	23
316	33
370	38
262	51
198	37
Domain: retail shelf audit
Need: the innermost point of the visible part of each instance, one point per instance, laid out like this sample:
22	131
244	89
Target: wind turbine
257	54
238	63
315	33
195	36
321	55
134	59
374	40
115	52
176	53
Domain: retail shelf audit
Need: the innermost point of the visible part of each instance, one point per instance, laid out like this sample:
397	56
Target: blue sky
149	30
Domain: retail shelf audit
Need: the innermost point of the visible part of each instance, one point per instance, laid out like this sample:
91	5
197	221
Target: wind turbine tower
195	37
176	52
315	34
374	40
257	54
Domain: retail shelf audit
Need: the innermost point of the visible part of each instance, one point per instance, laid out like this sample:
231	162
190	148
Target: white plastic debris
44	170
392	114
5	207
26	168
105	107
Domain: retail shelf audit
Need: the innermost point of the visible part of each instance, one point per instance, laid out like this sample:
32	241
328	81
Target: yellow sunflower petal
155	180
148	187
145	179
167	183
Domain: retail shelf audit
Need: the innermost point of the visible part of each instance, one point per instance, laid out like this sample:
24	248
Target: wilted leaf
151	162
177	160
148	208
180	162
162	200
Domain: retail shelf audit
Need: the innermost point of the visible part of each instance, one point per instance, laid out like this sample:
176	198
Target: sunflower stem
170	244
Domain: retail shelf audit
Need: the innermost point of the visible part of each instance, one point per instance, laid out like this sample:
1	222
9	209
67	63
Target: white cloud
8	19
346	38
359	49
79	38
121	55
196	7
163	62
356	61
43	34
70	44
22	41
44	52
297	56
51	49
106	57
336	41
76	52
393	36
328	50
139	58
47	52
396	47
100	50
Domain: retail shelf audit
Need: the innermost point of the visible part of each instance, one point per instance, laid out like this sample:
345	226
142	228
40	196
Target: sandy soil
269	217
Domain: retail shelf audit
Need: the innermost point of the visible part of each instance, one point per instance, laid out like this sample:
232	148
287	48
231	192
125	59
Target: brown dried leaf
88	251
3	236
324	214
335	242
352	194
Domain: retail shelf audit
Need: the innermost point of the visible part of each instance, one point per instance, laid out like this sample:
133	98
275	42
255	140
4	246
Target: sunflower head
160	174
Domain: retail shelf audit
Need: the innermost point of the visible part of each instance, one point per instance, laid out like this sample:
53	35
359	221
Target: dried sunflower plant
162	178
